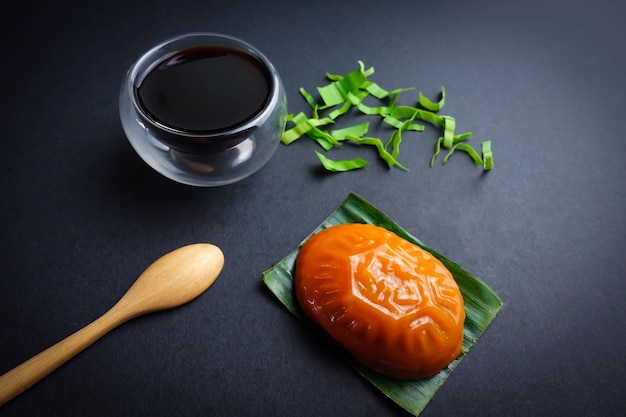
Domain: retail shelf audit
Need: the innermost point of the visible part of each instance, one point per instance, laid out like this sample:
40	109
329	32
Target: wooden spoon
172	280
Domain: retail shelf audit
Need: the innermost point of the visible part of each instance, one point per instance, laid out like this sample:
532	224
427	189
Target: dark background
81	215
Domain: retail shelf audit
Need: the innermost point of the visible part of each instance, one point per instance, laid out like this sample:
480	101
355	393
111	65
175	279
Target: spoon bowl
172	280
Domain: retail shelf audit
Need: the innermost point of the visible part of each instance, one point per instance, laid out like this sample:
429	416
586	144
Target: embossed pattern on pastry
390	303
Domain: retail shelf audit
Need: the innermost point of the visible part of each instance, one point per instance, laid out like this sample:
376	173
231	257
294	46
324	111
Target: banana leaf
481	304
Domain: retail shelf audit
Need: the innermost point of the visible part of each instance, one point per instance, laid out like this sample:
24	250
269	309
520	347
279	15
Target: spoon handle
36	368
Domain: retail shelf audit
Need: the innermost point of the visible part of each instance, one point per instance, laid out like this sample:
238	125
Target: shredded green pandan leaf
396	137
404	112
345	92
302	125
429	105
337	91
449	124
308	97
463	136
358	102
323	138
334	77
456	139
356	130
340	111
487	157
375	90
382	152
380	93
341	166
399	124
464	147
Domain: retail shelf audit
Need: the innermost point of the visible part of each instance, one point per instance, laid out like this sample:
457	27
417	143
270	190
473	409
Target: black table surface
81	215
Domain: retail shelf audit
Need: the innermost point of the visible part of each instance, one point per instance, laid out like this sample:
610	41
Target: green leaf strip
356	130
396	137
323	138
487	156
437	150
334	77
375	90
341	166
468	149
399	123
405	112
308	97
340	111
337	91
432	106
357	100
461	137
302	126
449	124
393	94
382	152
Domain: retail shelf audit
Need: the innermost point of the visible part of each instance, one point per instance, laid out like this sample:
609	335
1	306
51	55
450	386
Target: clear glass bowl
209	158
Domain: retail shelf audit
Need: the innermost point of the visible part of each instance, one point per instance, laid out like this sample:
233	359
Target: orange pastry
391	304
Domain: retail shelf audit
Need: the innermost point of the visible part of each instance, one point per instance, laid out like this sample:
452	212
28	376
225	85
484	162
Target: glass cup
210	157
